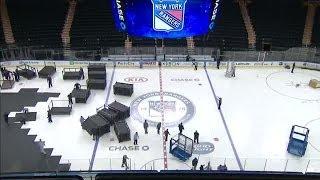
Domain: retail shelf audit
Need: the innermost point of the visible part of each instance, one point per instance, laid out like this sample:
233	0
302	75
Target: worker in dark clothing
6	118
158	127
18	74
166	133
7	75
145	126
196	137
49	80
70	99
196	66
49	116
181	128
188	58
293	66
218	63
219	102
124	161
135	138
77	86
202	168
222	168
15	76
194	163
81	73
2	71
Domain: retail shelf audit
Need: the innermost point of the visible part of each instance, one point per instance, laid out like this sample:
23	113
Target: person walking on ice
194	163
70	99
49	80
196	137
145	126
124	162
49	116
81	73
293	66
166	133
219	102
181	128
158	127
135	138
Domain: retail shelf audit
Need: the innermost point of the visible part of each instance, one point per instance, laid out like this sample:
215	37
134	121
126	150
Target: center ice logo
177	108
155	106
168	15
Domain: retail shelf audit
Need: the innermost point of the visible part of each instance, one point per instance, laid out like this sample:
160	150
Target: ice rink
251	132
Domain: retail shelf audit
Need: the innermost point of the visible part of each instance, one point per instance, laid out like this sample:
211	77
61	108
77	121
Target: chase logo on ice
168	15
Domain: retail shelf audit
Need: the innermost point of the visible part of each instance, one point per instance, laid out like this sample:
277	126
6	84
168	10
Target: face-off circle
177	108
293	85
314	138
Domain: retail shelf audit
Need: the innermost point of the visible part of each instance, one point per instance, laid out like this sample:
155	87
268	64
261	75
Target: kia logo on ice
136	79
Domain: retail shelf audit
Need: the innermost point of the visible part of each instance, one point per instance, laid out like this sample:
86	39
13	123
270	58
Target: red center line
165	159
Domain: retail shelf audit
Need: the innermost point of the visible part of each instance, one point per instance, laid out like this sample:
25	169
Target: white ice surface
259	105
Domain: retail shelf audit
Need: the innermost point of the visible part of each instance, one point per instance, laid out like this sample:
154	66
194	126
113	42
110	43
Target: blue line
225	124
94	153
97	140
109	88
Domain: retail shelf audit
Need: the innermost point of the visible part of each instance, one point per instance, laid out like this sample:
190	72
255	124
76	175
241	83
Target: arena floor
251	132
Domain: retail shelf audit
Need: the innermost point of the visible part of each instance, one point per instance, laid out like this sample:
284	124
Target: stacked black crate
97	76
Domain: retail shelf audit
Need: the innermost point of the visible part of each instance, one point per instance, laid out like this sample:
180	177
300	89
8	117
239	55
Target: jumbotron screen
165	18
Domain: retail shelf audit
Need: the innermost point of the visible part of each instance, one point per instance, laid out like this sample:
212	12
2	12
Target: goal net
231	68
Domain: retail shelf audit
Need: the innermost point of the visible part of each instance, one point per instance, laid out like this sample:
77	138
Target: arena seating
316	29
280	23
2	41
150	42
37	22
182	42
91	34
142	42
229	27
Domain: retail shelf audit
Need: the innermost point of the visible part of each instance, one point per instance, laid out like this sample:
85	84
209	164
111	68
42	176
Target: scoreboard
165	18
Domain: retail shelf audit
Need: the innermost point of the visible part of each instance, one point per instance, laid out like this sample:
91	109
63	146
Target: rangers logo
155	107
168	15
176	107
